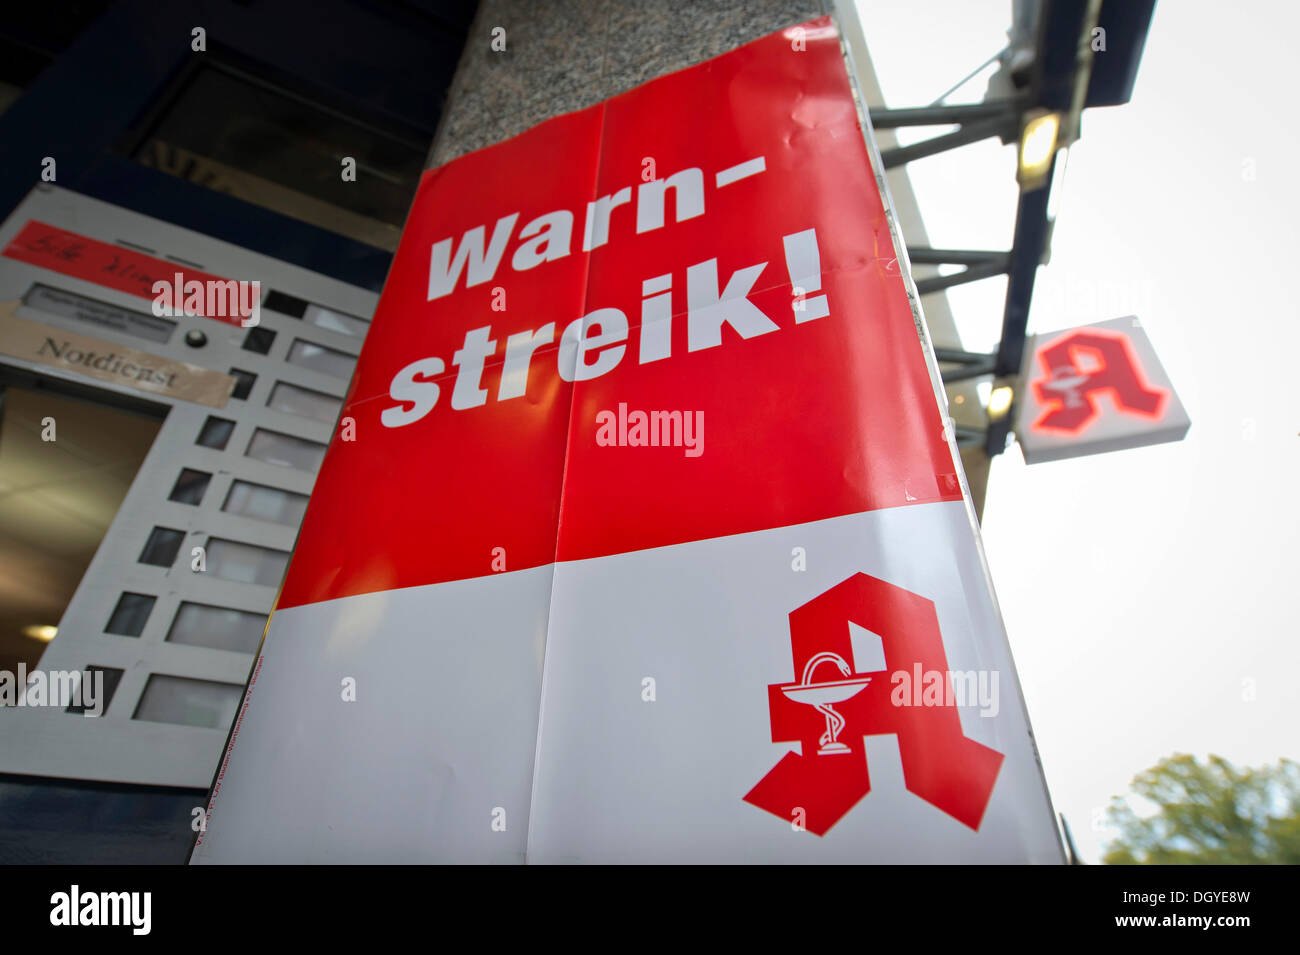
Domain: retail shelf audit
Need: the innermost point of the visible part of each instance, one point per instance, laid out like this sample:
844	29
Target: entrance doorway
67	457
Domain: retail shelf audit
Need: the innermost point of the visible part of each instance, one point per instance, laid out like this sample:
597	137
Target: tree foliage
1210	812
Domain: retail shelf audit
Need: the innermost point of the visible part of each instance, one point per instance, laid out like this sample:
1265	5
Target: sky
1149	594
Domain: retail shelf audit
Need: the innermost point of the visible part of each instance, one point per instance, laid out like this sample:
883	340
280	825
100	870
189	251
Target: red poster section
678	313
810	406
462	491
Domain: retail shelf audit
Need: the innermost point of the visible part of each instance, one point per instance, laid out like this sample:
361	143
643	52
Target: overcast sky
1151	594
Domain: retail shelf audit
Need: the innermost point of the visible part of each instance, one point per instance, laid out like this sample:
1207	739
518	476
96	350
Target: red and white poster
642	538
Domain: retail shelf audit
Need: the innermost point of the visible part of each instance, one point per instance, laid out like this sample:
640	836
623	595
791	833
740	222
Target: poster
641	536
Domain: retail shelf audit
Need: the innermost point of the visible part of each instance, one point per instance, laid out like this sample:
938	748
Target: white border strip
853	44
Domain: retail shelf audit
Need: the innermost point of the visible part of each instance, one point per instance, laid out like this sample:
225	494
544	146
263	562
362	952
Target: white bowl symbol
1066	380
822	695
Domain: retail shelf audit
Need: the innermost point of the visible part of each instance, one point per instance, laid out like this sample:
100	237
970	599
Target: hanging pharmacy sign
1095	388
648	542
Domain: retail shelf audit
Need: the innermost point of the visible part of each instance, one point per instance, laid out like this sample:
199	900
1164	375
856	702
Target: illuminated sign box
1093	389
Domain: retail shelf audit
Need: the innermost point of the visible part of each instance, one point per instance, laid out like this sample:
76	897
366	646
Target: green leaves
1185	812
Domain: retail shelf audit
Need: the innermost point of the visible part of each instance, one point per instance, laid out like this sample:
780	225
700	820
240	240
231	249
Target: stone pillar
565	55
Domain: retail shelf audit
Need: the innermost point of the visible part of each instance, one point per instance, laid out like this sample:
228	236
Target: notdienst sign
649	542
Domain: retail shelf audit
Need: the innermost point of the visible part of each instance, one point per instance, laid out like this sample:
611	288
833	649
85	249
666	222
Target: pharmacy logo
832	706
1080	367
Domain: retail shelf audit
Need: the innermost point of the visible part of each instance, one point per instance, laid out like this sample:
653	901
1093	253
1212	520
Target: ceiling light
1037	147
999	402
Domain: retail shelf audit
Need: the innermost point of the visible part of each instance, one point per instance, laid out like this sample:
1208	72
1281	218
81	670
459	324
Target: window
265	503
259	339
245	563
190	487
285	304
218	628
304	402
315	357
112	676
216	432
233	132
130	615
337	321
244	381
174	699
163	545
286	451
